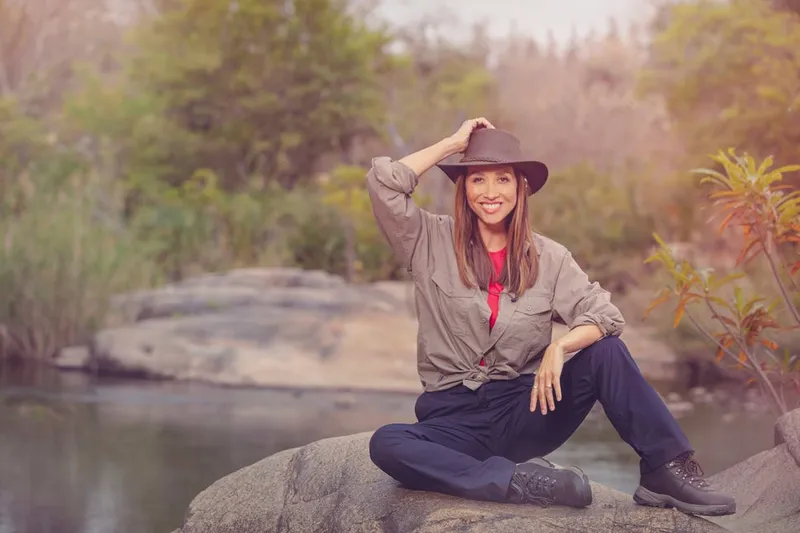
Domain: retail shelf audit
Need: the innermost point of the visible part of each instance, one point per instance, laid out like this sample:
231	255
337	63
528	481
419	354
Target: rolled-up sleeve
580	302
400	220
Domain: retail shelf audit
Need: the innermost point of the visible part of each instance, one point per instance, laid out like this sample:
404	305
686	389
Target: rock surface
332	486
767	485
263	327
281	327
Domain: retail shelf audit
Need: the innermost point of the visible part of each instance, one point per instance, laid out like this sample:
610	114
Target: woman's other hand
547	383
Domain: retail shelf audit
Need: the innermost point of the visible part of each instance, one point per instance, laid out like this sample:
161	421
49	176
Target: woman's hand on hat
461	137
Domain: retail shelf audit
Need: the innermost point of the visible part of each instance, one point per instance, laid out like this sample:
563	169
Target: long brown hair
474	265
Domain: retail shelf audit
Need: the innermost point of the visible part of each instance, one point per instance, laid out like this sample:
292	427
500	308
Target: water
85	455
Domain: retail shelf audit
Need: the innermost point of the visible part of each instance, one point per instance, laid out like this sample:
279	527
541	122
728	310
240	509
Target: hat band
483	159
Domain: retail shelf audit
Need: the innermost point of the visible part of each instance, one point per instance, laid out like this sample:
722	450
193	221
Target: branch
785	266
783	393
7	48
729	353
781	286
46	26
744	348
5	83
711	338
16	39
771	355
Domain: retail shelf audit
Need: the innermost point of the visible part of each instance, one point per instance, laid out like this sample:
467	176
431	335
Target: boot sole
643	496
586	489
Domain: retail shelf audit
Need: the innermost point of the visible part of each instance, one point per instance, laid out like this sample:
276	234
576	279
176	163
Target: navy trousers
467	443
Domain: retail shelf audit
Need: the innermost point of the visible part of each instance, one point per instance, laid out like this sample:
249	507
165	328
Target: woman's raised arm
391	183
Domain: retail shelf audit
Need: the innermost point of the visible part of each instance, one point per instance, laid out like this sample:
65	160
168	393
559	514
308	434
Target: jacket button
528	308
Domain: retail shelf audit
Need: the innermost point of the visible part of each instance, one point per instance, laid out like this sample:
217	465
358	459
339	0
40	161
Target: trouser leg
452	449
440	456
605	372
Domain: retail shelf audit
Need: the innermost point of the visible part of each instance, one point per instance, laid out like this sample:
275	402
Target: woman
497	391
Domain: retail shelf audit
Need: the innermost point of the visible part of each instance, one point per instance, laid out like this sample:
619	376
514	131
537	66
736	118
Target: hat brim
536	172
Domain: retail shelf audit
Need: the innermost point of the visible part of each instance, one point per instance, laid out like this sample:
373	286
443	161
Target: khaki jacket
453	334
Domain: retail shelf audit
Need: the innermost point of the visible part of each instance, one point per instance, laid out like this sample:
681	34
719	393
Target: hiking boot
542	483
680	484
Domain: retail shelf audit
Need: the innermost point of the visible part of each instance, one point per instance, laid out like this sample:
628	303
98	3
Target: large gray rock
332	486
263	327
280	327
767	485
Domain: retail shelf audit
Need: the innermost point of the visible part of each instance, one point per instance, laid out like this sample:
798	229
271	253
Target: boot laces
688	469
540	490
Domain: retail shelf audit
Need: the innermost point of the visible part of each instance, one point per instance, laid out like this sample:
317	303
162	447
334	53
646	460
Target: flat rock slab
266	346
281	327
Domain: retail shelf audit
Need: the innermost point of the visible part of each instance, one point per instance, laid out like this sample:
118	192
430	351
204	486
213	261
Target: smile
491	208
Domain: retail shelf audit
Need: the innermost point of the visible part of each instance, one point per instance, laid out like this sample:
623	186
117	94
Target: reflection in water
84	455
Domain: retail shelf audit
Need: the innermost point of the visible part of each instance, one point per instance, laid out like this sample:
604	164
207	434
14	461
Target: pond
82	454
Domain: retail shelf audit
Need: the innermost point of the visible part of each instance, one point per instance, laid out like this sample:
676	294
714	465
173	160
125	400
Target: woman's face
491	192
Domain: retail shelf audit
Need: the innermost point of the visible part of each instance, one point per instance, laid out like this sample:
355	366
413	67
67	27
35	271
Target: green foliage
253	109
21	139
367	256
596	215
198	227
730	75
178	224
125	131
255	87
60	262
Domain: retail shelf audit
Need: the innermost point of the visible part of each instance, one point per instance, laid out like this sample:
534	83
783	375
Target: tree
41	39
787	5
730	75
257	87
582	106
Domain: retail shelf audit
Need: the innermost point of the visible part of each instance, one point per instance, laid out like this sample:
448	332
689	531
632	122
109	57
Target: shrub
61	259
595	215
752	199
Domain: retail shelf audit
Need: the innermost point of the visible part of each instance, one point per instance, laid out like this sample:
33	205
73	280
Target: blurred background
190	275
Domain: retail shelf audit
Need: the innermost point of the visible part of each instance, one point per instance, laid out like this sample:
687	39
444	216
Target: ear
524	178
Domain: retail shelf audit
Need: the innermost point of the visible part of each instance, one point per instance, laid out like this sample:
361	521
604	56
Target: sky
529	17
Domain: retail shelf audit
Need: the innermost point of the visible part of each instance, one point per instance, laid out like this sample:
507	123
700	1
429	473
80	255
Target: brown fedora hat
489	146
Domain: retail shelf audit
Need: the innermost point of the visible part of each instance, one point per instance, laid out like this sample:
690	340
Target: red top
498	260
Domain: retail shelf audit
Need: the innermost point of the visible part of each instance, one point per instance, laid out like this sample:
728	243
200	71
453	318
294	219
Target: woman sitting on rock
497	393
